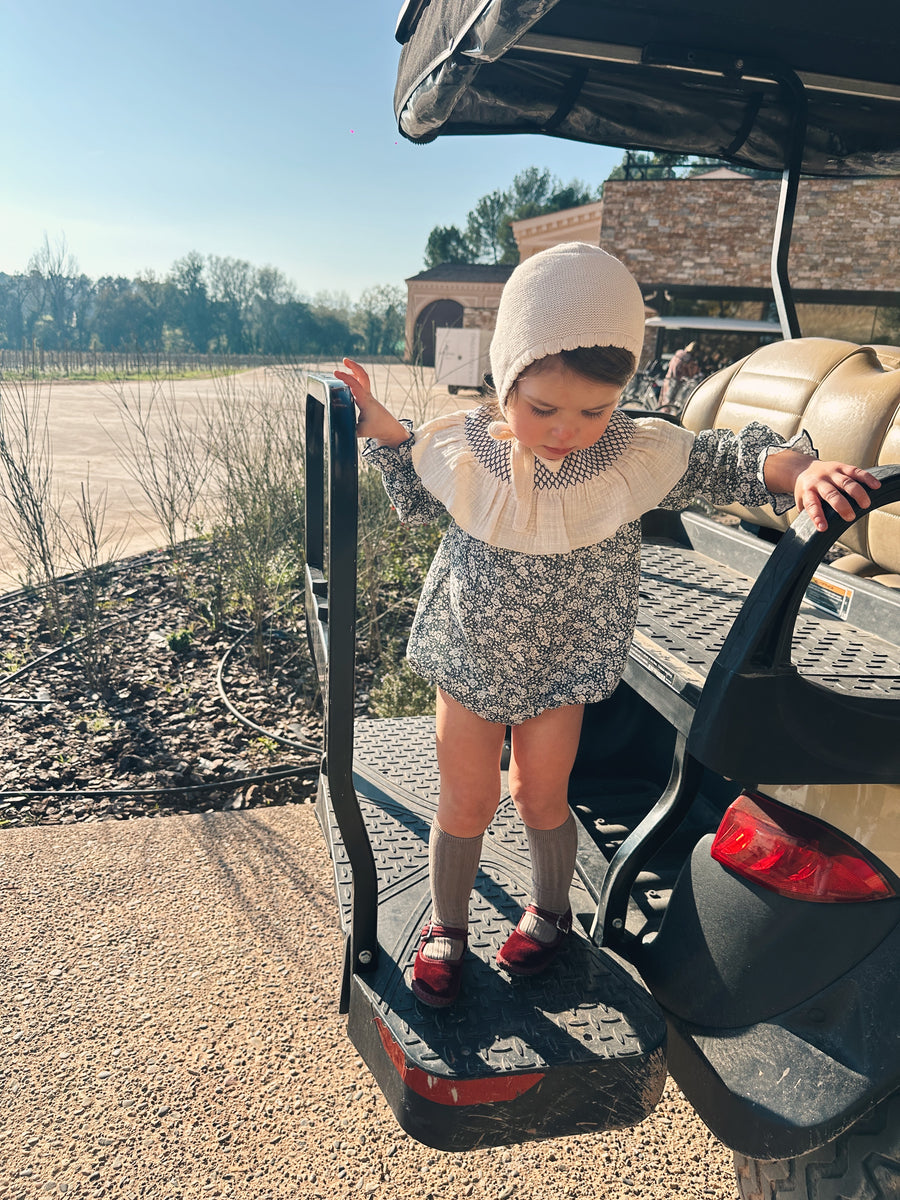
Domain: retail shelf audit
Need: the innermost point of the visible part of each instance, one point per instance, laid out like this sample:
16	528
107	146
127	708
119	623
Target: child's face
555	412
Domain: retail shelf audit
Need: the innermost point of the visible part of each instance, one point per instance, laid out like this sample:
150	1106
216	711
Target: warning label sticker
829	597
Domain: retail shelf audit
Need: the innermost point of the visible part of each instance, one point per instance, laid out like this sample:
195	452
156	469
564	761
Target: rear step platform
577	1049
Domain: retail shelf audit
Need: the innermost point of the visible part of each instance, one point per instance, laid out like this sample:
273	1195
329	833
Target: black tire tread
862	1164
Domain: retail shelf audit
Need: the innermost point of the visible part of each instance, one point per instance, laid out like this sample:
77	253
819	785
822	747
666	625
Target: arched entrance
439	314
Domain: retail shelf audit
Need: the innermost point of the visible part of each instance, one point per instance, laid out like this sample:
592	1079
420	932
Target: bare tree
30	512
167	454
58	273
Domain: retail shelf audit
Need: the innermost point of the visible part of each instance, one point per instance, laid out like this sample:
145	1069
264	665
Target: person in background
683	368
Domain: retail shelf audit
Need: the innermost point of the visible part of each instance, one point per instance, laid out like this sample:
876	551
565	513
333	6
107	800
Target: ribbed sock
453	864
552	867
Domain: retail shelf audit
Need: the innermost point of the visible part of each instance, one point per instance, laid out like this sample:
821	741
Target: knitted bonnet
569	296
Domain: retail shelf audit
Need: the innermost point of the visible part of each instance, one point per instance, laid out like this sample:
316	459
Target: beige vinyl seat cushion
846	397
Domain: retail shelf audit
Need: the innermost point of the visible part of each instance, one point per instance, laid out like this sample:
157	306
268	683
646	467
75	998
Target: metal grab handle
332	505
757	718
608	928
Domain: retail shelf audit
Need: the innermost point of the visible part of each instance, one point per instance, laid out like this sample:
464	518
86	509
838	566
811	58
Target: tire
452	388
862	1164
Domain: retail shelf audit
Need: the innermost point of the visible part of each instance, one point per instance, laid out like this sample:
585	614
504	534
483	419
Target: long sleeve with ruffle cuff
727	468
414	503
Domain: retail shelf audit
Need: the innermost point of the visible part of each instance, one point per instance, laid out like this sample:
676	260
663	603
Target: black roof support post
792	87
741	72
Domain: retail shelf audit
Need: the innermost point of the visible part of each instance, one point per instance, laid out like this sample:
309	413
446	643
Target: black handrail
800	731
332	499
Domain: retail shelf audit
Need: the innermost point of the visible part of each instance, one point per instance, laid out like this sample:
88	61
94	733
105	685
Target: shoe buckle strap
433	930
560	921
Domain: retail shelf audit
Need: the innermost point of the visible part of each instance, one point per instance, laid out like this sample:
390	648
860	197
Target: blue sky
139	131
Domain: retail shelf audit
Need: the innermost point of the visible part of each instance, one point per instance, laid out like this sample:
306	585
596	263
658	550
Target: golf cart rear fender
730	953
781	1013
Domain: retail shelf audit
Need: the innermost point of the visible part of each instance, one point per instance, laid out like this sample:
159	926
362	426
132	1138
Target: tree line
202	304
487	235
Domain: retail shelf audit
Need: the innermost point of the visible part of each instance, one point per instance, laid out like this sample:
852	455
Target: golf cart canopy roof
700	77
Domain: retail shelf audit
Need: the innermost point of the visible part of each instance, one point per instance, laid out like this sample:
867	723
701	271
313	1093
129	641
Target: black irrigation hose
221	786
66	645
217	786
303	747
8	599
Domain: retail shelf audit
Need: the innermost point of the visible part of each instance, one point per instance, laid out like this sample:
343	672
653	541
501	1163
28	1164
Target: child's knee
541	810
466	814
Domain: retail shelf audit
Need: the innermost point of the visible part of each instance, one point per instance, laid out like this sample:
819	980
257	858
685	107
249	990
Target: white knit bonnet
569	296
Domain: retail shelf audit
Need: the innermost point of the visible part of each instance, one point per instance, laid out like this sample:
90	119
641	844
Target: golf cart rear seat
846	397
823	693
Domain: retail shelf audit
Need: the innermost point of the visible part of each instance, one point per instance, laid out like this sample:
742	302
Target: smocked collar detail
578	467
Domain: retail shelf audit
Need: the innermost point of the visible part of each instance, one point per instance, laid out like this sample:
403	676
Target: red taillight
794	854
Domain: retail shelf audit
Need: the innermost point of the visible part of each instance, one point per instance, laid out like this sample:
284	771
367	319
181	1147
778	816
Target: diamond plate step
576	1049
689	603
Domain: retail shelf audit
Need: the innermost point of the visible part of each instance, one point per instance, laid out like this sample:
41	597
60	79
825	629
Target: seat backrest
846	397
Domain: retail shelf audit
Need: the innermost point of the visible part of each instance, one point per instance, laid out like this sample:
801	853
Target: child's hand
836	484
374	419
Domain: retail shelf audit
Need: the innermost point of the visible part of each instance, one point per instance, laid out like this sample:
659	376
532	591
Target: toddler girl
530	604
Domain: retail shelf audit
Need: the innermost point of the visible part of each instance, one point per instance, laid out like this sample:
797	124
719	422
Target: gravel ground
170	1031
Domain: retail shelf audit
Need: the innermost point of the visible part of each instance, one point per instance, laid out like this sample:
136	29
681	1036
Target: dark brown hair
600	364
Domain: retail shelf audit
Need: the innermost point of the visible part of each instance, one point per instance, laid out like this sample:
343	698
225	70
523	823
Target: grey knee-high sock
552	867
453	863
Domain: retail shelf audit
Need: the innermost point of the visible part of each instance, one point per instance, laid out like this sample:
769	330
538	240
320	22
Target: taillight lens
794	854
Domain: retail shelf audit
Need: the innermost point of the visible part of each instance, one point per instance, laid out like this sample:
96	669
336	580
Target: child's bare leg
468	753
468	749
543	752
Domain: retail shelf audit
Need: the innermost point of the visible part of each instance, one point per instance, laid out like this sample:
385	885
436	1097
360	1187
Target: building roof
467	273
720	173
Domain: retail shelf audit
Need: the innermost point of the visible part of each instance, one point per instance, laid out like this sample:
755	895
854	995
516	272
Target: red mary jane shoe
522	954
436	981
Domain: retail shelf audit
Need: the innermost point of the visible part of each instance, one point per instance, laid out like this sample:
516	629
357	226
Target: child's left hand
817	483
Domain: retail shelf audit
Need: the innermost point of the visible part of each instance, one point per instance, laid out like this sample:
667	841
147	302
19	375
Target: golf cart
737	897
722	340
725	339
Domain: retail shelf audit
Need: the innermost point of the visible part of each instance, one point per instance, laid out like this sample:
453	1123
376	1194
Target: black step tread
689	603
584	1008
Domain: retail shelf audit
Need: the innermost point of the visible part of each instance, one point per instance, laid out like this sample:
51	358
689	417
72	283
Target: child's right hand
374	419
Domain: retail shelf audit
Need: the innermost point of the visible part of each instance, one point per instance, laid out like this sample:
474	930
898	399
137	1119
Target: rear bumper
779	1080
765	1091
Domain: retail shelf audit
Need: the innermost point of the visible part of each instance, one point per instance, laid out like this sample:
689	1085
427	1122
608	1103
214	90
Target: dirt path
87	435
170	1032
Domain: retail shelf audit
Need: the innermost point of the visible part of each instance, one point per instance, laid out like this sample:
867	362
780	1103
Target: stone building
703	243
451	294
582	224
709	239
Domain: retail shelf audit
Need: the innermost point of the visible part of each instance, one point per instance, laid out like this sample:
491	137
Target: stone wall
718	232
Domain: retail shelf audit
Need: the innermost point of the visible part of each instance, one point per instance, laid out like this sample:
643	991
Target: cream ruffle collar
501	493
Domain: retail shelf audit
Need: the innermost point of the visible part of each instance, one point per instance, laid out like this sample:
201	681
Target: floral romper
531	600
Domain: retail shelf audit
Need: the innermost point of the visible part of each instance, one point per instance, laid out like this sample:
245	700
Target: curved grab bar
332	497
800	732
